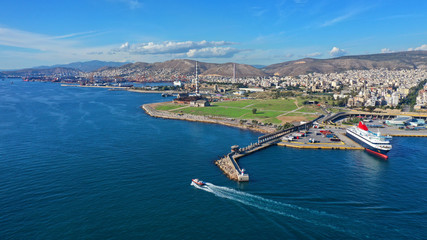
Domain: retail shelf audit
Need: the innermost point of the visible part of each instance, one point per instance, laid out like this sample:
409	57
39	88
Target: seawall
149	109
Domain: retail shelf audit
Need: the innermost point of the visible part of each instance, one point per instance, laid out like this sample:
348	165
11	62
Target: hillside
226	70
33	72
183	67
391	61
88	66
180	67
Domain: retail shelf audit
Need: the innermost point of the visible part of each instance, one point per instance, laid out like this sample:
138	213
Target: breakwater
229	164
150	110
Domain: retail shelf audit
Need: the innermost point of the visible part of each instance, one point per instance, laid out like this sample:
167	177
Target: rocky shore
226	163
150	110
227	167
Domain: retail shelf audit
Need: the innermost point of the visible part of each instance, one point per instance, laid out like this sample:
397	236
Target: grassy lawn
262	115
238	104
216	111
308	116
169	106
271	104
309	109
267	110
272	120
276	105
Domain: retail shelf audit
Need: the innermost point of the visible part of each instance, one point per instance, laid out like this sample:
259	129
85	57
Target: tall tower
197	81
234	72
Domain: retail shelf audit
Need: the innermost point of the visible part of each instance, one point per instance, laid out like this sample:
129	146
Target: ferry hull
375	151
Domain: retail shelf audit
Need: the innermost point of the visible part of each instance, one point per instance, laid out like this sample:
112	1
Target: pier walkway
341	115
231	168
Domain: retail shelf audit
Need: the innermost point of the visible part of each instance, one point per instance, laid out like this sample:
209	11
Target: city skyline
248	32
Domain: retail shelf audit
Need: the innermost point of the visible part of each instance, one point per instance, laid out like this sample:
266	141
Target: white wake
318	218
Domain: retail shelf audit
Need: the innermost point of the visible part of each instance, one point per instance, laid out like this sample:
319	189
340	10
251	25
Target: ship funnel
362	126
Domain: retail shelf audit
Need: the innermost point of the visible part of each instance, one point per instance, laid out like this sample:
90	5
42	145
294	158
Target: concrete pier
231	168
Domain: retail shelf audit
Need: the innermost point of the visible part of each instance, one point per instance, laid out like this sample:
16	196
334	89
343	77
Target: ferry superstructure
373	143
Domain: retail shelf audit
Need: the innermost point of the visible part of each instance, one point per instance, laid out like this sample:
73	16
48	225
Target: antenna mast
197	81
234	72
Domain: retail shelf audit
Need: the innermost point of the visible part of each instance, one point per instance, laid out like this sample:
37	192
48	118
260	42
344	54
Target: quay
408	135
342	115
229	163
317	146
231	168
93	86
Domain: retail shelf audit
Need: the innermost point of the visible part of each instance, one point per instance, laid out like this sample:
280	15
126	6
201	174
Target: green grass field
267	110
238	104
167	107
307	116
309	109
215	111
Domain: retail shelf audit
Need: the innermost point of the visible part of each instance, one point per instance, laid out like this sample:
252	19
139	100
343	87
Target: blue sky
45	32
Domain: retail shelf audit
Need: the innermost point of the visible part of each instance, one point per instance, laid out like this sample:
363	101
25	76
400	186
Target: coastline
228	164
151	91
150	110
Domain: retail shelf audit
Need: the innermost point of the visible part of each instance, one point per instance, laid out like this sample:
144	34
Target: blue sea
88	163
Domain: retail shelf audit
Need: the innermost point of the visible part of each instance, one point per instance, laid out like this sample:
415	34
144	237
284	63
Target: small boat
198	182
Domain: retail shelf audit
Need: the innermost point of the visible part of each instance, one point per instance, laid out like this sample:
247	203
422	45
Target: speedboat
198	182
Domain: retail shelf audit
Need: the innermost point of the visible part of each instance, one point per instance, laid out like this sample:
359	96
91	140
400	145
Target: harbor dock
313	139
231	168
304	136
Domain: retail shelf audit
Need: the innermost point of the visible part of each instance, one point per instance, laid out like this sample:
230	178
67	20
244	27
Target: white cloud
31	49
170	47
214	52
27	49
336	52
124	46
337	19
386	50
315	54
95	53
22	39
132	4
258	12
353	12
422	47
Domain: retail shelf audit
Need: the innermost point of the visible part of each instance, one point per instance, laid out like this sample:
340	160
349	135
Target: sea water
89	163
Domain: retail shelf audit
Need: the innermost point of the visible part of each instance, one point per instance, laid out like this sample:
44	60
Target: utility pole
197	81
234	73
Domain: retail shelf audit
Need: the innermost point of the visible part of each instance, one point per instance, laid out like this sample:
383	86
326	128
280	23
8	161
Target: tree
242	121
254	110
371	108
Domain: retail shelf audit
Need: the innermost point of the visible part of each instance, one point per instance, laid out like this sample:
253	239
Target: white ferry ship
373	143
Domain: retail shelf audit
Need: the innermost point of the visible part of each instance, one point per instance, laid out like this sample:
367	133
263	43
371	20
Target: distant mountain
86	66
179	67
258	66
186	68
391	61
33	72
226	70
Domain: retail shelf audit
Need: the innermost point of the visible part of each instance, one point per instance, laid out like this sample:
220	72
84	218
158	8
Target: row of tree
411	99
